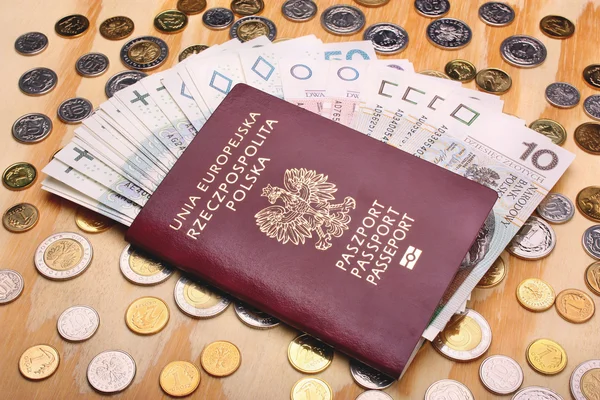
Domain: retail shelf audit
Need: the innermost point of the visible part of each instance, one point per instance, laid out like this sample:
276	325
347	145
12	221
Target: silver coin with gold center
198	300
63	256
141	269
464	339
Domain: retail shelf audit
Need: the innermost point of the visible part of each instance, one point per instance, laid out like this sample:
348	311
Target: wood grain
265	372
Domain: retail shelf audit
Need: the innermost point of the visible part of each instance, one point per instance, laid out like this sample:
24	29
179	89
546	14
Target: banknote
343	82
304	82
349	51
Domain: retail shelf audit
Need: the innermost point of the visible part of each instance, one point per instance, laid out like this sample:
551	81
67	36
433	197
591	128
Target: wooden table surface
265	372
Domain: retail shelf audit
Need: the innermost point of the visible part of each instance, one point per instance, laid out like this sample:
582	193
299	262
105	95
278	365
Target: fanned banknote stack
121	153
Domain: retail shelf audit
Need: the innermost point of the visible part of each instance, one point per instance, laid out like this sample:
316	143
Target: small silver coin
374	395
501	374
562	95
343	19
72	111
536	239
11	285
591	241
217	18
387	38
141	269
63	256
591	106
38	81
449	33
121	80
578	372
254	318
31	43
156	49
369	378
92	64
78	323
448	389
495	13
523	51
478	350
299	10
556	208
198	300
271	33
32	128
536	393
432	8
111	371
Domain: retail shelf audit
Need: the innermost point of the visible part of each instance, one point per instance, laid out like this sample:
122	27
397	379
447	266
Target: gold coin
221	358
20	217
91	222
591	75
39	362
557	27
546	356
63	255
592	277
494	275
551	129
574	306
170	21
179	378
437	74
252	29
116	28
588	202
144	52
194	49
587	137
191	7
535	295
19	176
460	70
309	355
590	384
372	3
147	315
247	7
493	80
311	388
72	25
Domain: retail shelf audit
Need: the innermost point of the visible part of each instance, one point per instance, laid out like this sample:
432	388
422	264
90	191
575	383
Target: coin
248	28
74	110
591	241
63	256
139	268
254	318
144	52
591	75
20	217
460	70
198	300
39	362
121	80
372	3
588	202
245	8
179	378
111	371
374	395
217	18
194	49
575	306
170	21
19	176
432	8
535	294
557	27
551	129
91	222
448	389
92	64
147	315
493	80
592	277
536	392
465	339
11	285
435	74
556	208
311	388
221	358
369	378
309	355
449	33
591	106
536	239
38	81
31	43
523	51
562	95
584	380
191	7
494	275
546	356
72	26
501	374
78	323
496	13
299	10
116	28
32	128
342	19
587	137
387	38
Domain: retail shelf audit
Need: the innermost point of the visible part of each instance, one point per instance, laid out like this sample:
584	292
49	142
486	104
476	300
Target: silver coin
556	208
523	51
78	323
32	128
38	81
496	13
72	111
198	300
252	19
387	38
111	371
63	256
148	271
11	285
31	43
448	389
449	33
578	372
254	318
535	240
121	80
299	10
157	57
374	395
591	106
92	64
591	241
432	8
536	393
478	350
369	378
562	95
501	374
217	18
343	19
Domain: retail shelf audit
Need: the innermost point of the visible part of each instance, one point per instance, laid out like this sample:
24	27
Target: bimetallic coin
39	362
493	80
575	306
116	28
190	50
342	20
170	21
111	371
309	355
369	378
584	380
19	176
72	26
217	18
562	95
299	10
460	70
311	388
535	393
78	323
20	217
387	38
147	315
591	75
75	110
588	202
31	43
591	241
91	222
121	80
141	269
92	64
448	389
587	137
535	294
191	7
198	300
465	339
372	3
536	239
546	356
245	8
523	51
551	129
495	13
38	81
592	277
557	27
374	395
556	208
248	28
32	128
145	52
11	285
221	358
591	106
449	33
501	374
254	318
434	73
179	378
494	275
432	8
63	256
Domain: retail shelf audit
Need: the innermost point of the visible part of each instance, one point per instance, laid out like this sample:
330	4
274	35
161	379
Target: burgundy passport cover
334	233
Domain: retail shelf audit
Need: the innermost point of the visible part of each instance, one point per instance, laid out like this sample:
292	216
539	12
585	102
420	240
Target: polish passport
334	233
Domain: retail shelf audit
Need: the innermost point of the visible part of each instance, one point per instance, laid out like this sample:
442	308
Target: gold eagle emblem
306	209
